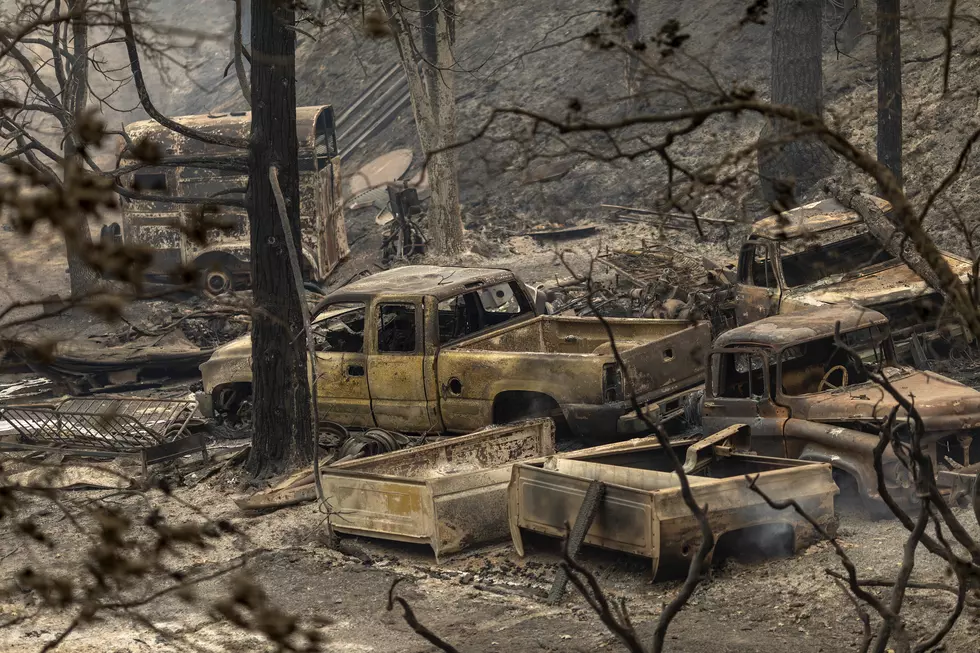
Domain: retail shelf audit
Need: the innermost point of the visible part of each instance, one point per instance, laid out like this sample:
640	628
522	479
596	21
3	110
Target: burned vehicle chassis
768	375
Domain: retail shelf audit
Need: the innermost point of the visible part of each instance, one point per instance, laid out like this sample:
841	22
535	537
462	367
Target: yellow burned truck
224	260
431	349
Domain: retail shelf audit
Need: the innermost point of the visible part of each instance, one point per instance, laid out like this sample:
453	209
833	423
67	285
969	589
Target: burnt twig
414	623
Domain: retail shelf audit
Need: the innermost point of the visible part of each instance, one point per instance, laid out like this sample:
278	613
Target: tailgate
378	506
670	363
544	500
643	512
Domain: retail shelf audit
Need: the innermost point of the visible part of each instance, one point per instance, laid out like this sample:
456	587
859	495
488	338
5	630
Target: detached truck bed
568	364
449	494
642	511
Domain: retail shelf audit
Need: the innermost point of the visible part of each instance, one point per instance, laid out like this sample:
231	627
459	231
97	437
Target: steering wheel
825	382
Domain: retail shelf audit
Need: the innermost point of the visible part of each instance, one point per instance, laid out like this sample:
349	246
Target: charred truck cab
822	254
804	397
224	260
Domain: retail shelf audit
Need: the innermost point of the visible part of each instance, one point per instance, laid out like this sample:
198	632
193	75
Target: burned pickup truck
823	253
805	397
451	350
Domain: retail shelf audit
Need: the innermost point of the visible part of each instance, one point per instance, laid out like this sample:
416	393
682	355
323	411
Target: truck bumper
619	419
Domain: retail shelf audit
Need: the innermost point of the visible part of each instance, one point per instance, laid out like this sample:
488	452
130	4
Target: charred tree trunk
789	163
83	278
281	383
890	86
431	83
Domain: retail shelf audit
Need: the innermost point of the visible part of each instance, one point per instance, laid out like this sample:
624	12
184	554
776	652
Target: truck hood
944	404
241	346
230	363
879	284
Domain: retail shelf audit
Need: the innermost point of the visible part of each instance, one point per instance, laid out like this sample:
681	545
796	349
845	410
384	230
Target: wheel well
513	405
228	397
755	543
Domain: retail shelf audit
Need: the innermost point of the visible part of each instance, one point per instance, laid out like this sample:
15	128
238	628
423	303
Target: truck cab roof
817	217
801	326
430	280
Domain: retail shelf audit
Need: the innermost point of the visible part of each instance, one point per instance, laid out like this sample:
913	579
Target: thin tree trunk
82	277
890	86
281	384
632	65
433	92
238	56
797	80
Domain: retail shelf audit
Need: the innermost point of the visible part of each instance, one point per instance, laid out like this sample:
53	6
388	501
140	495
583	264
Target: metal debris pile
203	322
654	281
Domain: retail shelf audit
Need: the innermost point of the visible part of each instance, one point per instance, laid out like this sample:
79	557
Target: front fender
859	470
230	363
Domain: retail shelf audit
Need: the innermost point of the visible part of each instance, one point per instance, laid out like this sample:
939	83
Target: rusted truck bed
449	494
642	511
570	361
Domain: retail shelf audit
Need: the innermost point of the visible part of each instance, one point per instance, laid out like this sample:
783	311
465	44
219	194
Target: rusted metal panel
565	358
450	494
669	364
332	248
438	281
883	284
800	326
643	512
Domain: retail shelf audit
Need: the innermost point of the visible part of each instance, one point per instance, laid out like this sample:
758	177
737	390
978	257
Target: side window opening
324	138
479	309
396	328
740	376
150	182
340	328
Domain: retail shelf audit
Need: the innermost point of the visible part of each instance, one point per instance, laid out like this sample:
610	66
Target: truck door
740	391
341	365
396	373
331	229
757	291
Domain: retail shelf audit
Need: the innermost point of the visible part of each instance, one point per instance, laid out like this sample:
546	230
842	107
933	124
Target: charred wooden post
281	382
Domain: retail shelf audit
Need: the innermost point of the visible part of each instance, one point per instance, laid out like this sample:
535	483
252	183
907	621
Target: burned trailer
224	261
822	254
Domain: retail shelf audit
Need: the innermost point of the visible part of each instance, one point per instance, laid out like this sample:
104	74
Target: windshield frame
885	356
784	249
